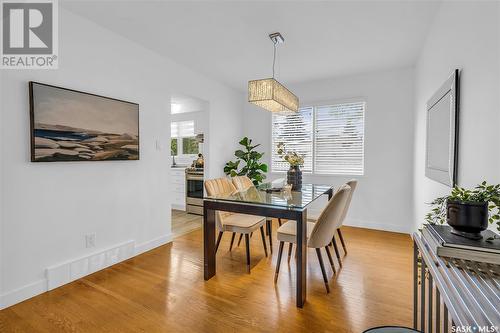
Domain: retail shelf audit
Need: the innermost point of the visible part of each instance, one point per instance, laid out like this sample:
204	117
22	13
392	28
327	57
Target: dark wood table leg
208	242
301	252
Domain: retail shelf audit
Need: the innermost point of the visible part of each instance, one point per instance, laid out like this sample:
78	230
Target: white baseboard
25	292
149	245
179	206
406	229
74	269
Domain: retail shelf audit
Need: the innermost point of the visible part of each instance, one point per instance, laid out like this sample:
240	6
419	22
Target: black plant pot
467	219
294	178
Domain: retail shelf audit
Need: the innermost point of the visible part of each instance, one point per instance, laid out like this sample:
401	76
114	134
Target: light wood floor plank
163	291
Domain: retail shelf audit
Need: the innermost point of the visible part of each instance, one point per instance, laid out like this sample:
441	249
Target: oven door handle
194	178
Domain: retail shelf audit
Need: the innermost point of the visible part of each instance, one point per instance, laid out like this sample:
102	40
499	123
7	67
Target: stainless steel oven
194	190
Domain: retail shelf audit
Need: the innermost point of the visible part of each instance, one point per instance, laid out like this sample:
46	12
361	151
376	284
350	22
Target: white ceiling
228	41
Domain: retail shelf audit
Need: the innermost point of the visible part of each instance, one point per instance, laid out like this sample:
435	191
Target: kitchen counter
178	166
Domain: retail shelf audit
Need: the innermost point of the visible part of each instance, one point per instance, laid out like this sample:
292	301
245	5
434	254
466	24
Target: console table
453	292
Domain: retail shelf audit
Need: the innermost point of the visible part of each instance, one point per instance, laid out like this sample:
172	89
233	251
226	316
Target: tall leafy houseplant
252	167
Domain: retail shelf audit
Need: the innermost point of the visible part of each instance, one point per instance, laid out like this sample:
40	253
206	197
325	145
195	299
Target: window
336	146
339	139
183	140
173	147
190	146
181	129
295	131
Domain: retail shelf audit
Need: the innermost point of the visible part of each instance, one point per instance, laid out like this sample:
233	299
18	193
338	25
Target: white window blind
182	129
339	139
295	131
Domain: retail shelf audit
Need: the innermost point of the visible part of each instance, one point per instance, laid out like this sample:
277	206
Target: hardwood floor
183	223
163	291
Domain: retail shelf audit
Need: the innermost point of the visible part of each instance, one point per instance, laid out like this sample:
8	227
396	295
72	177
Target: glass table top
290	199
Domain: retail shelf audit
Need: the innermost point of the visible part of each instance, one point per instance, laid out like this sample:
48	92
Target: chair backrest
352	184
325	226
219	187
242	183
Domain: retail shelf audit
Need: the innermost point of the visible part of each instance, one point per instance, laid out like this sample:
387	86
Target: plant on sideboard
468	210
253	168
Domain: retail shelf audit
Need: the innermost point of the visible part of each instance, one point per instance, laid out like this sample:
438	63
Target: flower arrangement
291	157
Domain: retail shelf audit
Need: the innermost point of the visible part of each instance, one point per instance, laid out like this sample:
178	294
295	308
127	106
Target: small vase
294	177
467	219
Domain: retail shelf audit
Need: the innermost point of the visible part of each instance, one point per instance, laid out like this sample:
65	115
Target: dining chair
352	184
234	222
242	183
319	233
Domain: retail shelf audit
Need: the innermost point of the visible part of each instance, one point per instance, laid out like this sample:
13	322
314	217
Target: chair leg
290	251
239	240
278	263
270	234
218	241
342	240
336	250
263	239
232	241
247	243
325	279
279	222
330	259
267	229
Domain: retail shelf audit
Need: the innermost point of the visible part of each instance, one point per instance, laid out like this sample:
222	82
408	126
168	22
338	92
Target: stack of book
446	244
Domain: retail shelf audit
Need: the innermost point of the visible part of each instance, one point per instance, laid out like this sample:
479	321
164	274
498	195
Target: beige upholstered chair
232	222
352	183
319	234
243	183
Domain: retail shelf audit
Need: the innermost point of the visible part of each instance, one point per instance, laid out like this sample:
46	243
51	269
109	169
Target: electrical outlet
90	240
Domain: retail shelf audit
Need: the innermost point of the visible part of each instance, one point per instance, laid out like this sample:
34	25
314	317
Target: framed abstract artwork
70	125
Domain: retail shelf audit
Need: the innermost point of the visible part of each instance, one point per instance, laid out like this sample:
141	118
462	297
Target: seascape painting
68	125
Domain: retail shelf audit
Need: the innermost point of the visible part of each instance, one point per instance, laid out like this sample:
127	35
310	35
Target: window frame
180	143
315	105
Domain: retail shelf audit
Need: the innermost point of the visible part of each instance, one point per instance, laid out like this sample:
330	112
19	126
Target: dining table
263	200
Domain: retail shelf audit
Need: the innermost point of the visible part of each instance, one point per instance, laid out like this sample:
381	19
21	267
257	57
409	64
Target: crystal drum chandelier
269	94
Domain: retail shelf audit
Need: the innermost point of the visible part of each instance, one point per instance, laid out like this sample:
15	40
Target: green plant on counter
253	168
481	193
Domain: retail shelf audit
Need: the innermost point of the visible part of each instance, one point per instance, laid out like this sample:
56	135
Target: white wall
49	207
384	196
464	35
1	191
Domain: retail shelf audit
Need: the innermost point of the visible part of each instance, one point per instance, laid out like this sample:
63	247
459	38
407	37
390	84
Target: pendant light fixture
269	94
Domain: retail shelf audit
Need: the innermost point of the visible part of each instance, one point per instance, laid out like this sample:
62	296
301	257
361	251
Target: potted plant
253	168
468	211
294	174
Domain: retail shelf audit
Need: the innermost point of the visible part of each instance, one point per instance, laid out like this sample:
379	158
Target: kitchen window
183	141
330	136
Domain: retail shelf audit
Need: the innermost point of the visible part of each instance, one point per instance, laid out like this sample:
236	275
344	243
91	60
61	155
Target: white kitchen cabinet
178	188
